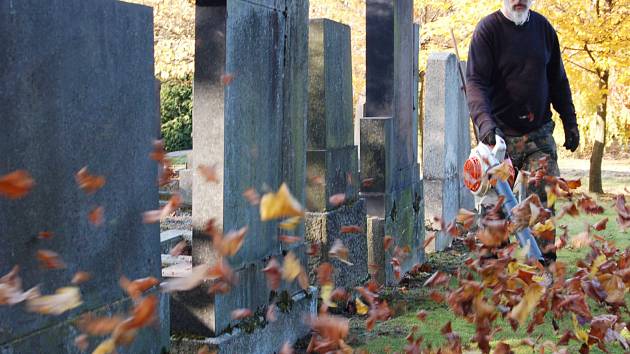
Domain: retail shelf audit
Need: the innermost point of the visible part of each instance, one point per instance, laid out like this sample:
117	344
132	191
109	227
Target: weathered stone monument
77	89
446	143
250	90
332	165
389	131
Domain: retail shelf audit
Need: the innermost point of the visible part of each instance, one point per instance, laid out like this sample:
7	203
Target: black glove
489	137
571	138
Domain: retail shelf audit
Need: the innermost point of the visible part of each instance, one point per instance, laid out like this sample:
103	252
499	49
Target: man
514	73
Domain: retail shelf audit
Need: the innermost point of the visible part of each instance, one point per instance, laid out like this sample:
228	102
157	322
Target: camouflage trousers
532	152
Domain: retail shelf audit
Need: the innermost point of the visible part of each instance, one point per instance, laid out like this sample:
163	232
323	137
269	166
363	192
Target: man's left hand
571	138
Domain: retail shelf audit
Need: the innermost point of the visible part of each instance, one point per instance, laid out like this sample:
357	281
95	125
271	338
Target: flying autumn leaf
16	184
96	216
80	277
252	197
279	205
240	314
351	229
273	273
387	242
574	183
623	212
337	199
368	182
82	342
340	252
63	300
11	289
154	216
229	244
50	260
87	182
226	79
289	239
45	235
209	173
137	287
292	269
362	309
601	225
290	224
533	294
98	326
195	278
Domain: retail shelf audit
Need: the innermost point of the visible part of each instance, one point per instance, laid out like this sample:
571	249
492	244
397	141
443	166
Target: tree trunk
595	172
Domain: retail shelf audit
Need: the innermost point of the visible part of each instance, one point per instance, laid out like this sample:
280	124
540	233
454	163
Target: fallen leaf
337	199
16	184
209	173
87	182
279	205
63	300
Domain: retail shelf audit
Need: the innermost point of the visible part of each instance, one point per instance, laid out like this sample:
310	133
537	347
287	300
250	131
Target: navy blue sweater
514	73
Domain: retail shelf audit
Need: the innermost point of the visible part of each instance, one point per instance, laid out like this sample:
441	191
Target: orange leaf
80	277
197	276
273	273
229	244
89	183
226	79
153	216
81	342
50	260
16	184
143	313
601	225
137	287
95	216
574	183
289	239
387	241
45	235
158	154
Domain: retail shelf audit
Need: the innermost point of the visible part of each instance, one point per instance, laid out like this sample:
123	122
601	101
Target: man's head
517	10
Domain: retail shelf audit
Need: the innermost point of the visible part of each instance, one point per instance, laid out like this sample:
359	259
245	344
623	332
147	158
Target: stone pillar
332	166
466	198
446	142
252	129
77	89
389	131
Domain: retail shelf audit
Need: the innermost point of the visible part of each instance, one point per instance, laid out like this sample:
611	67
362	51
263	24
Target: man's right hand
489	137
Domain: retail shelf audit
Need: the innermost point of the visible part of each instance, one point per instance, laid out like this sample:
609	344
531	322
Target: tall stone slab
446	142
249	122
466	198
391	118
77	89
332	157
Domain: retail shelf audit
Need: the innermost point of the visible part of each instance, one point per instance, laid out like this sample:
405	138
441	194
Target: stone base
376	251
289	327
60	337
442	200
325	228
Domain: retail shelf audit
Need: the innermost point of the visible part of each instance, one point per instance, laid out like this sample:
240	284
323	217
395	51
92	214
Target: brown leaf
337	199
351	229
240	314
228	245
324	274
251	196
279	205
197	276
209	173
273	273
143	313
96	216
50	260
206	350
574	183
502	348
158	154
153	216
16	184
226	79
340	252
289	239
601	225
387	242
98	326
80	277
438	278
87	182
466	218
422	315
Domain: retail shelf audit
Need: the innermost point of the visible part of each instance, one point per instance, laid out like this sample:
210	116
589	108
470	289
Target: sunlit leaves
87	182
16	184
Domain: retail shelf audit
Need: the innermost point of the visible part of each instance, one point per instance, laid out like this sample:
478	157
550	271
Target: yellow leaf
530	299
291	268
106	347
580	332
279	205
362	308
327	294
601	259
291	223
551	196
63	300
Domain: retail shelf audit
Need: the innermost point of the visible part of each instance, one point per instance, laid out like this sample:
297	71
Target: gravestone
446	142
249	123
77	89
389	132
332	166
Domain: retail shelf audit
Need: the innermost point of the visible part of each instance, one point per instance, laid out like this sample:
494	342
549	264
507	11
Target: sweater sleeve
559	89
478	80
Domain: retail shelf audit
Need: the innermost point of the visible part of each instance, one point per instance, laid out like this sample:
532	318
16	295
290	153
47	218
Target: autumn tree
594	38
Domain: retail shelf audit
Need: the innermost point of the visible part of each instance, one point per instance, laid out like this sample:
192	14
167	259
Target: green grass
390	335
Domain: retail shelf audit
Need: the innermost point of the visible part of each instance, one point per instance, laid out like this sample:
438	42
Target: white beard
518	17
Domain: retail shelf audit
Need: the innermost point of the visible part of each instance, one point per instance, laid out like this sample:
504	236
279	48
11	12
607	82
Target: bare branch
584	68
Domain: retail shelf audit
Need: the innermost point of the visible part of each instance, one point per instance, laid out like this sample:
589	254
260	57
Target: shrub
176	114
